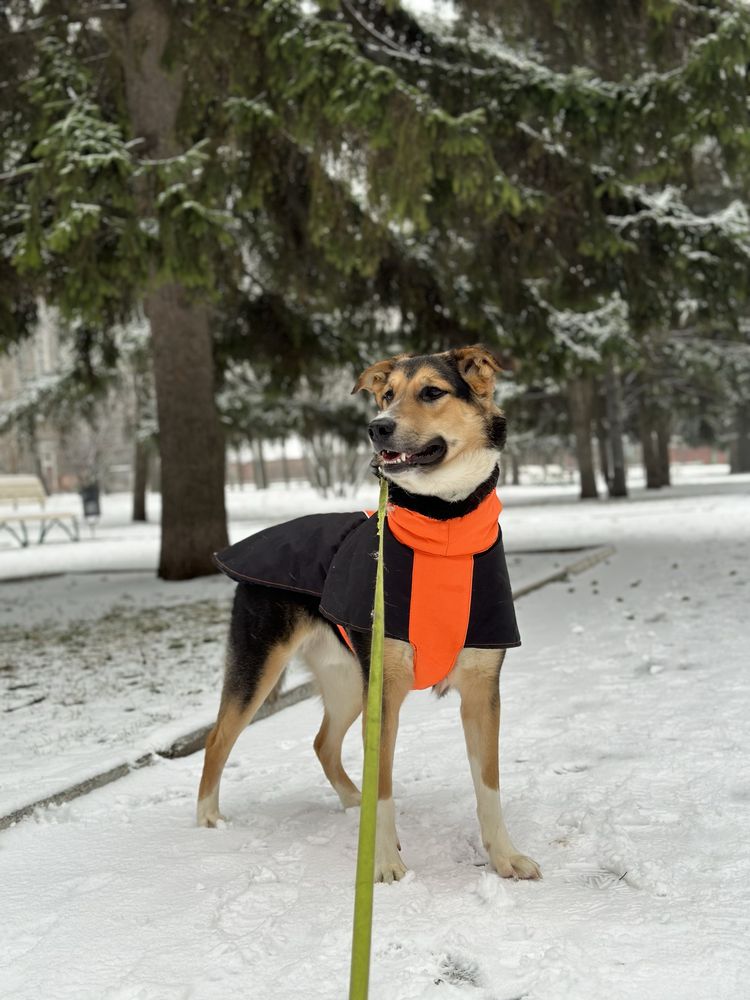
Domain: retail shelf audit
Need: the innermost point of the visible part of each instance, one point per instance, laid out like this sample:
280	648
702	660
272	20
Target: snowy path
625	767
97	671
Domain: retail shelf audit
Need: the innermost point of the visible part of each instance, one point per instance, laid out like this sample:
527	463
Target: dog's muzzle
395	453
381	431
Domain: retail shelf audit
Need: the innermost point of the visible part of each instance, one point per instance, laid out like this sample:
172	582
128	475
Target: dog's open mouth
395	460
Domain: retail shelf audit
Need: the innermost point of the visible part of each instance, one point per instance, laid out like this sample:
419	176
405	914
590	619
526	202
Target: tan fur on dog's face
463	416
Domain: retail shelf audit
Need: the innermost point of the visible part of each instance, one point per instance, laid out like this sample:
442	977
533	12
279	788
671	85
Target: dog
306	588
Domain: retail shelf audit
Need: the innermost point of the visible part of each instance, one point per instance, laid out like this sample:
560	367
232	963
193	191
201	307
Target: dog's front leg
477	677
398	679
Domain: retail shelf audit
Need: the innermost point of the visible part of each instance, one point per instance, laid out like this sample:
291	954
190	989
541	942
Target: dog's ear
477	367
374	378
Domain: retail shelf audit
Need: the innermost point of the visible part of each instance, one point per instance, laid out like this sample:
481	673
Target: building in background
64	449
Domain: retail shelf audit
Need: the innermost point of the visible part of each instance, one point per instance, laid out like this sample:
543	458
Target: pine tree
602	117
293	184
169	157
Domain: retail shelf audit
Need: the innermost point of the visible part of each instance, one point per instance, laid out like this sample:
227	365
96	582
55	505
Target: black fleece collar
437	508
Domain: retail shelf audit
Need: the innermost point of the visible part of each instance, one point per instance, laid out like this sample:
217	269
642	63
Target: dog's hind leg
477	675
233	718
339	679
265	631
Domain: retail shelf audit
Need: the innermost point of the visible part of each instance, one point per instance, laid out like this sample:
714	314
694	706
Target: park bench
18	489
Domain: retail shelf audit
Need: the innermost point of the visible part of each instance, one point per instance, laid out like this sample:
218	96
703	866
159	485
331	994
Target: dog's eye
388	395
431	392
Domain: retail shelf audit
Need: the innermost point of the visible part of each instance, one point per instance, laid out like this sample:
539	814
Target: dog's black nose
381	428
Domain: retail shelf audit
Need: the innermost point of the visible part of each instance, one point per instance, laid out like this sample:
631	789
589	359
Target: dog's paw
350	799
515	866
391	870
208	814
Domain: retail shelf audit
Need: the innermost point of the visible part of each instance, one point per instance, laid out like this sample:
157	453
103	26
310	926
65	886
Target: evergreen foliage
564	181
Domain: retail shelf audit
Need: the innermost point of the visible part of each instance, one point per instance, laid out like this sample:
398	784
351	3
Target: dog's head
439	431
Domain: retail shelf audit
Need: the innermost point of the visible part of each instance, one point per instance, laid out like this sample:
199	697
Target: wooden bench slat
48	515
17	488
20	487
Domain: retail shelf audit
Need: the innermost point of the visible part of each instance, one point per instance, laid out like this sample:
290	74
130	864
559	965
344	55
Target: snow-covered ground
100	669
625	769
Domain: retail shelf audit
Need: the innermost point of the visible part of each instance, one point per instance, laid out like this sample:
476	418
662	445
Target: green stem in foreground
363	892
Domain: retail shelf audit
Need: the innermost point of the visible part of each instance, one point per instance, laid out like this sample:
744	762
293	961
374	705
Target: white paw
350	799
514	865
208	813
390	870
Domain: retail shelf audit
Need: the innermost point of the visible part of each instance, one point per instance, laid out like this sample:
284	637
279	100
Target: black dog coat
446	581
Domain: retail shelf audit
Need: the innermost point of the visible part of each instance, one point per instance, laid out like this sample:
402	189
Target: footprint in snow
465	849
458	970
572	767
596	878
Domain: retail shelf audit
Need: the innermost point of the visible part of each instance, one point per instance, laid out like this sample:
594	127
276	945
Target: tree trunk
141	457
191	440
240	468
602	441
515	468
35	454
651	462
663	434
618	486
314	473
740	450
284	464
581	400
260	473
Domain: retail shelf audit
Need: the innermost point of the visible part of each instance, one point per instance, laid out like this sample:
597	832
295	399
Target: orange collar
458	536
